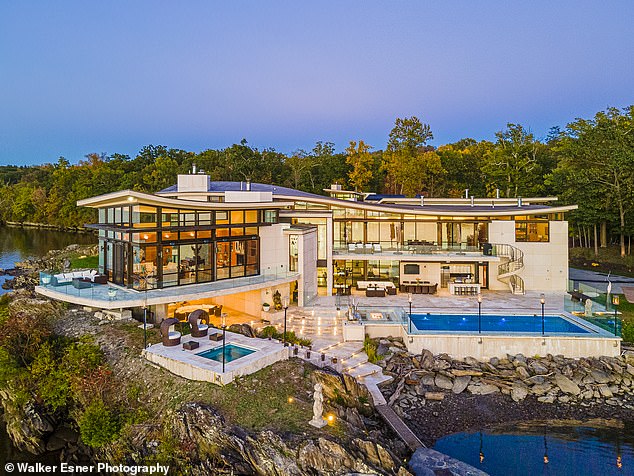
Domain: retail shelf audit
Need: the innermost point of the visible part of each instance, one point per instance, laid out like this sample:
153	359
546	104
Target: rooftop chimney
248	185
472	202
422	200
466	193
497	193
193	169
519	201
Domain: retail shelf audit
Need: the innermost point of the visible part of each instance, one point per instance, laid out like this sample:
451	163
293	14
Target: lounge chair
195	320
170	335
376	247
368	248
352	247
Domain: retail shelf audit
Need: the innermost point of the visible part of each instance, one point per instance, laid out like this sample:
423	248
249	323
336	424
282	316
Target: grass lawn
609	260
78	262
256	402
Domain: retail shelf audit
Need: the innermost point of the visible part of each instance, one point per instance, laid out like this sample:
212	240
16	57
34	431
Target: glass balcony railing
84	288
398	249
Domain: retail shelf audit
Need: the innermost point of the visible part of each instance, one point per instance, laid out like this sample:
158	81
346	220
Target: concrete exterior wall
545	264
307	267
428	272
273	249
486	346
192	183
494	346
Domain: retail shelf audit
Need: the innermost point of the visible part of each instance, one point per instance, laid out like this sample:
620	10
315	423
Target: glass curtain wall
170	247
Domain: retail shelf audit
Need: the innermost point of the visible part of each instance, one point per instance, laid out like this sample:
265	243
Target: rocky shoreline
25	273
438	395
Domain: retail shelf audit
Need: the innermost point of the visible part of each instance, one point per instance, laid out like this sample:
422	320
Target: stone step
364	370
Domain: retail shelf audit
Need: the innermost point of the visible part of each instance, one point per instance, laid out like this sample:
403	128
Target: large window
531	231
172	247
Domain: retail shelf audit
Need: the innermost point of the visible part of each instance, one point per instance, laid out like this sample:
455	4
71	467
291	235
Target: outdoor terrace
110	296
420	251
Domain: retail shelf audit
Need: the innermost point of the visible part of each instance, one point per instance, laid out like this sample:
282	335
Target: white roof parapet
131	197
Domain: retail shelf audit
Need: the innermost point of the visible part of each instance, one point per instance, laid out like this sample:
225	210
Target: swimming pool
232	352
496	323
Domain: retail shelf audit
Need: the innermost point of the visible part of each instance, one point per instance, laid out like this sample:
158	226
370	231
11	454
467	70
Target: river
17	244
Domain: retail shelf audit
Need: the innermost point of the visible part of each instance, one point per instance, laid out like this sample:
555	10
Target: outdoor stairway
508	272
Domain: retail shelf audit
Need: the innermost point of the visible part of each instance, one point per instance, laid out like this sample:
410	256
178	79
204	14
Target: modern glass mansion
200	231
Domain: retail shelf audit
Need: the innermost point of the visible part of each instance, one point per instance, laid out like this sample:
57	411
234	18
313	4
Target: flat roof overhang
131	197
97	296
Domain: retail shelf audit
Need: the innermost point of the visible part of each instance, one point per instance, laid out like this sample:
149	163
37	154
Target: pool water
232	352
578	451
494	323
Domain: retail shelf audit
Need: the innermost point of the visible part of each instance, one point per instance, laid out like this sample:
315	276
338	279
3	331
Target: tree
512	165
358	156
601	151
406	144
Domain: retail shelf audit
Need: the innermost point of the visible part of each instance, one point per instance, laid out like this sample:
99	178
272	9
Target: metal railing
509	270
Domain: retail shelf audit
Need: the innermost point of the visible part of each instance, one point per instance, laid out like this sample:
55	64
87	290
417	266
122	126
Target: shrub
269	331
627	330
99	425
369	346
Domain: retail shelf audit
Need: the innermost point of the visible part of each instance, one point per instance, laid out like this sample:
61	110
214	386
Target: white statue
318	408
588	306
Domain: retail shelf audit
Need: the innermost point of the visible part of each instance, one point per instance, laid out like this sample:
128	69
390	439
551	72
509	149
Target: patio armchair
171	337
196	319
376	248
218	311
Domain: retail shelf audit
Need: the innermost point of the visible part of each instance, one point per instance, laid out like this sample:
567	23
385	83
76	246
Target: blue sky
81	77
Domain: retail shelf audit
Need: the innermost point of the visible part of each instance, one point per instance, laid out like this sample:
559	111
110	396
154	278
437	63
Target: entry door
118	263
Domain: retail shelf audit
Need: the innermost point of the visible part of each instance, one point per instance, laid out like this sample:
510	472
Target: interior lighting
291	399
330	418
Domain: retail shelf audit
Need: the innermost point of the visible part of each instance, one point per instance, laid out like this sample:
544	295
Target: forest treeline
589	163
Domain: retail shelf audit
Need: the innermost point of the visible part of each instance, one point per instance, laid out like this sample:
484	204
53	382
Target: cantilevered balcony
109	296
420	250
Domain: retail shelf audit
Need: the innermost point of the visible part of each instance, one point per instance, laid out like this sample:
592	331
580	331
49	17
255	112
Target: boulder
519	391
537	368
541	388
600	376
482	389
566	385
522	372
426	359
442	381
460	383
605	391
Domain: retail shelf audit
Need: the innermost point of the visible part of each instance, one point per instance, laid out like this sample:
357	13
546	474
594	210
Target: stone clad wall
545	264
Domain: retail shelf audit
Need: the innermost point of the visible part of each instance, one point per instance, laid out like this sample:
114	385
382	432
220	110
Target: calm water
494	323
232	352
570	451
17	244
